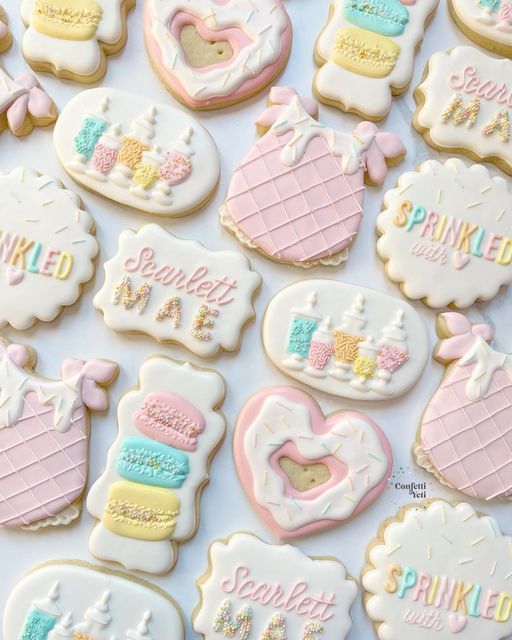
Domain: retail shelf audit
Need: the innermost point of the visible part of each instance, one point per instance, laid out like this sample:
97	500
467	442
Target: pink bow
281	97
95	374
383	145
463	336
34	102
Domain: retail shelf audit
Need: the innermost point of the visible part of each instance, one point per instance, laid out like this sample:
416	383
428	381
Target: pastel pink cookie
258	35
298	195
44	436
465	437
283	423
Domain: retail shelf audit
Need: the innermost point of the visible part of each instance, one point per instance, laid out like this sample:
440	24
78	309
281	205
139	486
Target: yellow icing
365	53
137	511
67	19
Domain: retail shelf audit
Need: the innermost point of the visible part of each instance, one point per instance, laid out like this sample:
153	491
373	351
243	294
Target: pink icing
281	97
320	425
384	145
176	168
34	102
391	358
170	419
462	336
4	30
319	354
470	82
246	89
505	13
104	158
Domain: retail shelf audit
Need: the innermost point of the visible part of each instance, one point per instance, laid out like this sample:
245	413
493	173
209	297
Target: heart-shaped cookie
457	623
200	52
281	435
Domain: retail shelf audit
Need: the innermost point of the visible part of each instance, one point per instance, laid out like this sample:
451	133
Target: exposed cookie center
203	53
304	477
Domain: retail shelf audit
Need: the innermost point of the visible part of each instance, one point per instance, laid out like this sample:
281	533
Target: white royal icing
317	588
204	389
263	23
369	96
223	281
494	25
89	602
41	223
427	260
453	543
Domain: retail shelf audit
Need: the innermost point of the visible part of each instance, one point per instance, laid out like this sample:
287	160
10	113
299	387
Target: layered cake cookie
297	196
366	52
44	433
486	22
258	590
345	340
213	54
72	38
446	235
147	501
439	570
305	472
76	600
464	434
146	155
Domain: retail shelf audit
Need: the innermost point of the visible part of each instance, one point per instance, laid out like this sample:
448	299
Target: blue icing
148	462
386	17
494	5
87	138
37	625
300	334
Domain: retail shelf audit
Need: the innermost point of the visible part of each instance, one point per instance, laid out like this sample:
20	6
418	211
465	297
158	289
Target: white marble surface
80	330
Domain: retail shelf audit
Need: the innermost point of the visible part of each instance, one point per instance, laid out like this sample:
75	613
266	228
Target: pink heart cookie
349	451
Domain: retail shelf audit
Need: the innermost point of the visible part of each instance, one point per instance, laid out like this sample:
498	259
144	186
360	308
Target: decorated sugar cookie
305	472
263	591
298	195
149	156
439	570
76	600
72	38
44	432
147	499
47	248
464	434
446	234
5	34
486	22
463	105
366	52
213	54
178	291
345	340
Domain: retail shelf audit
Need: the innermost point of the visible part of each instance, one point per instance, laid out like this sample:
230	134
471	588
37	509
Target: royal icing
5	34
446	234
438	570
153	157
464	433
345	340
259	37
178	291
145	501
282	423
258	590
76	600
366	52
465	105
73	37
298	195
488	22
44	428
47	248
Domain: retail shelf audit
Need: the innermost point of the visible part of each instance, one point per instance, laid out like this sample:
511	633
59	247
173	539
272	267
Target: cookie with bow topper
446	235
23	104
44	432
297	196
464	437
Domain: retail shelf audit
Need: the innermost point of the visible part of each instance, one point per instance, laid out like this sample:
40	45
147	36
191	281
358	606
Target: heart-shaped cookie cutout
281	430
457	623
14	276
460	260
201	52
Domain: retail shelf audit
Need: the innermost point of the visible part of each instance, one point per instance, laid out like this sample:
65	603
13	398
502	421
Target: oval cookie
486	22
146	155
345	340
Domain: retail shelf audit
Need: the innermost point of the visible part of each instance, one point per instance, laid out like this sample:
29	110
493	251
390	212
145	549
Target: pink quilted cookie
298	194
44	430
465	437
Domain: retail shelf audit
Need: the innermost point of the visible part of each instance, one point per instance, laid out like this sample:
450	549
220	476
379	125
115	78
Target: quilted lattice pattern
470	443
302	213
42	471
